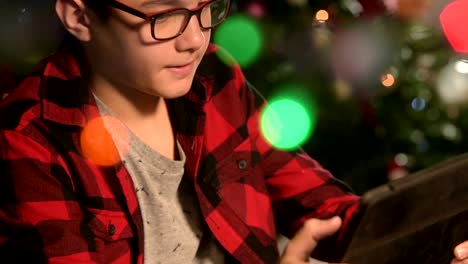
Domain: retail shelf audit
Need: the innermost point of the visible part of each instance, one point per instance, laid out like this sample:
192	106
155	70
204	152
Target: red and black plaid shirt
58	206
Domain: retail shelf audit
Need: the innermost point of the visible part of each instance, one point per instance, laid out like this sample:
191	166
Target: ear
74	17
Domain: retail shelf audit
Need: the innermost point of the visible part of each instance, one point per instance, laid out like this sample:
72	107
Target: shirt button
111	230
242	164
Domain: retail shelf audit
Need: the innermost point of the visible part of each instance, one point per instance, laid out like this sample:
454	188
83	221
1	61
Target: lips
181	65
182	70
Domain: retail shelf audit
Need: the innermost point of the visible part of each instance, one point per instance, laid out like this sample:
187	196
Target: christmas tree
389	91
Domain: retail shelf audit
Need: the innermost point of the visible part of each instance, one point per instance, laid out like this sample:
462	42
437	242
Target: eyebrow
155	2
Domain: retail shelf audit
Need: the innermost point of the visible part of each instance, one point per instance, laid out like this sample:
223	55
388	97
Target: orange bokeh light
388	80
322	16
98	144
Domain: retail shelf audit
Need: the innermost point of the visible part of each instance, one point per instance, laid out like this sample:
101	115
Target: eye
162	19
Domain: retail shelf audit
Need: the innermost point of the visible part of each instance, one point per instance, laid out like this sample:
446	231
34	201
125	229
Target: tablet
416	219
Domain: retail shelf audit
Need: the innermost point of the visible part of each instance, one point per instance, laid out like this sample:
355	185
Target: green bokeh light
242	37
286	124
291	116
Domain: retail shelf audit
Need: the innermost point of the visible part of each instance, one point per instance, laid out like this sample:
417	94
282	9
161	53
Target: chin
169	86
176	90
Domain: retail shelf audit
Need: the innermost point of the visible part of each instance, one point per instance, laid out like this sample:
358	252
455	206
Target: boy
134	142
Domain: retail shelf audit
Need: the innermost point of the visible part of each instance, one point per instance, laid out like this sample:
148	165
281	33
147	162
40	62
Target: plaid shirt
57	206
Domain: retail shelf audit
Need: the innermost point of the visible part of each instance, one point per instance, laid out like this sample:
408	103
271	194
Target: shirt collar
66	98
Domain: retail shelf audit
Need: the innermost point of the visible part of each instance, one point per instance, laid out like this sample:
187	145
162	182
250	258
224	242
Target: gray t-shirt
174	231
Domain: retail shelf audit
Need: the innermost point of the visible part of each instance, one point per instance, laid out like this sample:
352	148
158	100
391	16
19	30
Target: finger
305	240
461	251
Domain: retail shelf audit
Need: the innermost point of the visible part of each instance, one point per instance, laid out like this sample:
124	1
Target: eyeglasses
172	23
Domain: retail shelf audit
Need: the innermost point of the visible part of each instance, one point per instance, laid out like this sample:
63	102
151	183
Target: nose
193	38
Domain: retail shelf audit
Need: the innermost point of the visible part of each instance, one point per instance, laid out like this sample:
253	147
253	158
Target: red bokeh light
454	22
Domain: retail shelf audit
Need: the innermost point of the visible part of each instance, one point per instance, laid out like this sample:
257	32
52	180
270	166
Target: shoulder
22	105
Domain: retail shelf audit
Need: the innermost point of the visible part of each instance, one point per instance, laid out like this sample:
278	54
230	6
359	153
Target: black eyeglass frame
154	16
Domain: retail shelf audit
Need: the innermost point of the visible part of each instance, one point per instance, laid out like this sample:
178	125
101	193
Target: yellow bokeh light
322	16
98	144
388	80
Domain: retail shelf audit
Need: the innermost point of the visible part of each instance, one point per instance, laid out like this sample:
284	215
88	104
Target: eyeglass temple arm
128	9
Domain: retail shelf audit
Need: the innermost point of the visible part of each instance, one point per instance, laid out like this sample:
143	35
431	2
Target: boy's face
123	53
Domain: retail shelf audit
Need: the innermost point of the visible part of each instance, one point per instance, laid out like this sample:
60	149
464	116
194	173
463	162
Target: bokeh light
401	159
99	146
453	21
461	66
256	9
450	131
388	80
242	37
360	53
452	83
356	8
322	16
418	104
285	124
290	118
408	9
343	89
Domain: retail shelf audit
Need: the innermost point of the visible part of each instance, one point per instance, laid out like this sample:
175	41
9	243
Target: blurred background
372	89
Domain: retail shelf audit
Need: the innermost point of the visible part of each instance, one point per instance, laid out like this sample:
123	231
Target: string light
388	80
322	16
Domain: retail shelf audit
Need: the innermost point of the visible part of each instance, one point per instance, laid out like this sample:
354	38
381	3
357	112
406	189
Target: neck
130	105
145	115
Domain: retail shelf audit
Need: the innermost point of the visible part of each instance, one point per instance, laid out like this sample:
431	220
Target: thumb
461	251
304	242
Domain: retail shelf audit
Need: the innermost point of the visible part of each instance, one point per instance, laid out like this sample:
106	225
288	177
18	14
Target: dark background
365	133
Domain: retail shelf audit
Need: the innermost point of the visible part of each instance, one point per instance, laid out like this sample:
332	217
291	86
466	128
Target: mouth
182	70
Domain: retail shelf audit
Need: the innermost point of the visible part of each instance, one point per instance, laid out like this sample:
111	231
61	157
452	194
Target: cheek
207	38
132	70
144	35
144	60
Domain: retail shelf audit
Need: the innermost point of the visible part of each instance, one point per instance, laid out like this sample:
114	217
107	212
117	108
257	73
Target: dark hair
99	7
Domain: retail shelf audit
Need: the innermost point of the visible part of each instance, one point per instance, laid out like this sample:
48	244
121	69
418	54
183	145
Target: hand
461	254
300	247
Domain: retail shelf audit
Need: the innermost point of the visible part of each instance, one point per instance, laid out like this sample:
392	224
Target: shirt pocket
110	226
239	164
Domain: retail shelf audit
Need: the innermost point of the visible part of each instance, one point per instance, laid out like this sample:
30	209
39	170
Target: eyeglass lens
171	24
